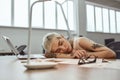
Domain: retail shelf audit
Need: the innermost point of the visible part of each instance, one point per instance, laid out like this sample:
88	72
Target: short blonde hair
47	40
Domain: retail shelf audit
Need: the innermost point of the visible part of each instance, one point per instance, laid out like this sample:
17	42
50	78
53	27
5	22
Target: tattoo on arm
95	45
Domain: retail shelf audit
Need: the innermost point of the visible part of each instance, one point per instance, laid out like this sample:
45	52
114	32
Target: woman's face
60	45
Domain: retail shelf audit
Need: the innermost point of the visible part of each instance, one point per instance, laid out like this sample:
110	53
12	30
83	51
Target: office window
106	19
37	15
70	15
50	15
47	15
112	22
118	21
21	13
90	18
5	12
61	22
98	18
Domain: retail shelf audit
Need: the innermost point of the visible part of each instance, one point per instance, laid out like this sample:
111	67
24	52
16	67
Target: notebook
16	52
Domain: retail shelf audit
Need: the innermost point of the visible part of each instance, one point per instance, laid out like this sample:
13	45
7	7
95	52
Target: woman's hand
79	53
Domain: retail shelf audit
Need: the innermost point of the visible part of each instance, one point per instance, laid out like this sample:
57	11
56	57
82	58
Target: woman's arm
96	49
58	55
73	54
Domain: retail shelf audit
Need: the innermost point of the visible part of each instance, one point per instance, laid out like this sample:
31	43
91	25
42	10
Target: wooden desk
12	69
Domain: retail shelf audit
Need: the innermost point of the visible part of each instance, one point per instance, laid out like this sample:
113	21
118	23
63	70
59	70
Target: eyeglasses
87	60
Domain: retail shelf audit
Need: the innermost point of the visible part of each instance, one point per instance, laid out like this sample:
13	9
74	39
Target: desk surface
13	69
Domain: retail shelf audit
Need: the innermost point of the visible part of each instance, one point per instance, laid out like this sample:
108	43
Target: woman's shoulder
80	38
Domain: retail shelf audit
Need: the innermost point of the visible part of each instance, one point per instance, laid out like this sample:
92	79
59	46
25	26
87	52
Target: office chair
115	46
21	48
109	40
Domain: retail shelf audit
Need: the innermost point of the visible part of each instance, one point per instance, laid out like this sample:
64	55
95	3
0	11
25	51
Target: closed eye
58	50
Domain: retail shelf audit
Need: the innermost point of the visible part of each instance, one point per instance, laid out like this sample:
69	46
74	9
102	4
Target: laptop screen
13	49
16	52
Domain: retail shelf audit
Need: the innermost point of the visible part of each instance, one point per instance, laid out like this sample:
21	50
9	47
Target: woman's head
56	43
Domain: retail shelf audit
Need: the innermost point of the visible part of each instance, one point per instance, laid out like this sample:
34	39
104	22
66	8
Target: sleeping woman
57	46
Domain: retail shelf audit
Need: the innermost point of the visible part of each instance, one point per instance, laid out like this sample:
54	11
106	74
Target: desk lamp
47	64
30	28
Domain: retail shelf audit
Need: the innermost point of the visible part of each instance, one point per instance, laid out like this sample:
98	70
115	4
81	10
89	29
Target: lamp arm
30	31
66	21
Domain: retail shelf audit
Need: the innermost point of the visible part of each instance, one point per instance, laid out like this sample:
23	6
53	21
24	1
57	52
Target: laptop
17	53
